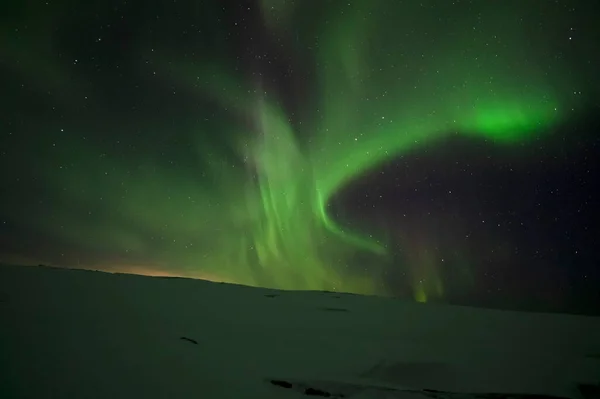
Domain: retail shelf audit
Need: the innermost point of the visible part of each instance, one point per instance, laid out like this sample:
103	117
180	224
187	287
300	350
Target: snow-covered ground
83	334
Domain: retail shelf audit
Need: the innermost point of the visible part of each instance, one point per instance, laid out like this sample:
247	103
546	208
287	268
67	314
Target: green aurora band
262	219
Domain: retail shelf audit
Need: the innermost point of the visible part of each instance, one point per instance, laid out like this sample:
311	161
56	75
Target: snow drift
83	334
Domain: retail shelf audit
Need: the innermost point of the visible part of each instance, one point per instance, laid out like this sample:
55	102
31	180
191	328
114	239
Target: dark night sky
435	150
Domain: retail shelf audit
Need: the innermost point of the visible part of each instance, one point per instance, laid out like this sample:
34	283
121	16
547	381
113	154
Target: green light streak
383	88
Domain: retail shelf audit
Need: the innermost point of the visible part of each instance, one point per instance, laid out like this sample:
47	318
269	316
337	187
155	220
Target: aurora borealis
252	142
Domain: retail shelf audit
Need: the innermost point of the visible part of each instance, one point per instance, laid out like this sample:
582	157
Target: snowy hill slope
82	334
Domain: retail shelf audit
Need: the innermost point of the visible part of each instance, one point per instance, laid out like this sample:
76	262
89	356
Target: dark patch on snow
281	383
316	392
336	294
193	341
306	389
334	309
335	389
271	295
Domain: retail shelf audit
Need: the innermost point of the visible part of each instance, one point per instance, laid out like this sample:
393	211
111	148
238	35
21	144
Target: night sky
445	151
